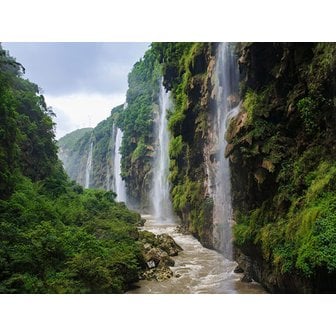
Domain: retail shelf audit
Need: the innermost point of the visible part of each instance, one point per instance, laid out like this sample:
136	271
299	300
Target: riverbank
196	270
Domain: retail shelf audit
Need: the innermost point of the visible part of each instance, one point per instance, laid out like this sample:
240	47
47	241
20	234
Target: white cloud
81	110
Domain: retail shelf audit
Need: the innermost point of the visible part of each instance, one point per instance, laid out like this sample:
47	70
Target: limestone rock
157	252
260	175
164	274
159	274
155	255
268	165
168	244
236	125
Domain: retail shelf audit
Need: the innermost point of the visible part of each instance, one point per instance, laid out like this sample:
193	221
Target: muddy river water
197	269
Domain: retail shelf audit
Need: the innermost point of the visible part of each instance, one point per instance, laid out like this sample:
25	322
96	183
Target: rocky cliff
281	148
137	123
74	150
188	73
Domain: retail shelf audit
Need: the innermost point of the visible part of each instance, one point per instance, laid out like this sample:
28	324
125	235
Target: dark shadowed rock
238	269
168	244
246	278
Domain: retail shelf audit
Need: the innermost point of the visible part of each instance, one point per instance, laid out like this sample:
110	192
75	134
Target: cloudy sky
81	81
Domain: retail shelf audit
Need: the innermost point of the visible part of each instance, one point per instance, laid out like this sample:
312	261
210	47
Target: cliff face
281	149
74	150
188	73
137	123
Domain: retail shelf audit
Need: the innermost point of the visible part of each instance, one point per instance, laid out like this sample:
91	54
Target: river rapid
197	269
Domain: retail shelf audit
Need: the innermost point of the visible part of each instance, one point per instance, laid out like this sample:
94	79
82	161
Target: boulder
168	244
166	262
155	255
157	252
159	274
163	274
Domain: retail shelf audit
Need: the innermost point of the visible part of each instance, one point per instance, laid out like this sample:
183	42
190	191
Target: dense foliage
78	242
55	237
185	74
285	150
27	142
137	123
75	147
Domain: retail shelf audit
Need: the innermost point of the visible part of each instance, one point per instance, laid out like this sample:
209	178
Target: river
197	269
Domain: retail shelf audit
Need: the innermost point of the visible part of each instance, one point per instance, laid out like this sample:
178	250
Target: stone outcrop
157	251
282	135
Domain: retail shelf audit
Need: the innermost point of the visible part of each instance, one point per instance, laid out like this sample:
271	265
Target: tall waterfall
88	167
161	189
110	161
226	101
120	187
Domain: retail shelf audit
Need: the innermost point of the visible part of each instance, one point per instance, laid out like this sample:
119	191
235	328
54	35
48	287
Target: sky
81	81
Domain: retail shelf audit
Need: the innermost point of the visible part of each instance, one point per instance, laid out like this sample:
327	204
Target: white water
161	189
110	162
120	187
226	98
88	167
196	270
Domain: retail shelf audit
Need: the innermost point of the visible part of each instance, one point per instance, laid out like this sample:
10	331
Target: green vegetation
137	123
307	109
288	216
75	146
55	237
70	140
78	242
304	239
256	104
103	148
184	69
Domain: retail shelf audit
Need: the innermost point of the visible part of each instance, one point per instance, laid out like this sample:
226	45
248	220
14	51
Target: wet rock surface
157	251
196	269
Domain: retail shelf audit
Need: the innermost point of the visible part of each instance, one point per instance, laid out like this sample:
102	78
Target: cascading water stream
227	108
88	167
110	162
196	269
120	187
161	189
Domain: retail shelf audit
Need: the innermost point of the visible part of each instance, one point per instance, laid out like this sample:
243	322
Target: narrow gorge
216	175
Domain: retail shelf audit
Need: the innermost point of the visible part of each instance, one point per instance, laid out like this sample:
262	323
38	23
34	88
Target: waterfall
161	189
88	167
227	108
109	162
120	187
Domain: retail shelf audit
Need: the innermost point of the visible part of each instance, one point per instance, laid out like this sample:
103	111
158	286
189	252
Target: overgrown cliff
188	70
137	123
136	118
74	150
280	147
282	152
